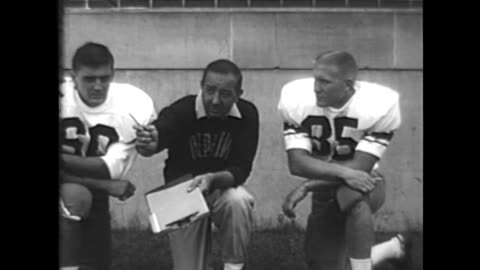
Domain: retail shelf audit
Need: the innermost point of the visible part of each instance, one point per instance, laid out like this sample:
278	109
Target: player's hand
203	181
292	199
377	176
147	139
361	180
121	189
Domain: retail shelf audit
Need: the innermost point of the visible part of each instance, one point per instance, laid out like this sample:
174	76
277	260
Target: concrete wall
164	52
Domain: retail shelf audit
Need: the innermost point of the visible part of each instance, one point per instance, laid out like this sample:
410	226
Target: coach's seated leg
75	204
232	212
190	246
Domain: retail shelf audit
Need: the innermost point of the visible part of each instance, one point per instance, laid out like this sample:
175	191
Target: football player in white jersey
98	147
336	129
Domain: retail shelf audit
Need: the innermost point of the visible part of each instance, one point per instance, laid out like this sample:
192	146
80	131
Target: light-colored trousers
231	211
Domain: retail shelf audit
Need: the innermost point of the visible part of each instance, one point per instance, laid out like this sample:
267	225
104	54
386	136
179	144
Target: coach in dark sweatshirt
214	136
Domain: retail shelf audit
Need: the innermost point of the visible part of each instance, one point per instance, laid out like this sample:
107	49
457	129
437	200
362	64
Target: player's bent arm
121	189
301	163
92	167
317	184
362	161
99	184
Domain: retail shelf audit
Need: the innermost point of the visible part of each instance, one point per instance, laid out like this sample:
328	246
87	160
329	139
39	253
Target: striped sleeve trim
375	143
296	138
375	140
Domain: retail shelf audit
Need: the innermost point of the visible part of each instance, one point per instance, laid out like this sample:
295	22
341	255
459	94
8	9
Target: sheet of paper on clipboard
171	206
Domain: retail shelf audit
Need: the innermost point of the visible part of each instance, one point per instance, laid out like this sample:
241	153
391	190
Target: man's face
92	84
331	89
219	93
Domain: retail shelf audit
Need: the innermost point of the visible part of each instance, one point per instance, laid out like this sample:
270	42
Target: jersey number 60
95	133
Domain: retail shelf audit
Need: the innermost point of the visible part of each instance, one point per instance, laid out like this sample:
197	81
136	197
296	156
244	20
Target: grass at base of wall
280	249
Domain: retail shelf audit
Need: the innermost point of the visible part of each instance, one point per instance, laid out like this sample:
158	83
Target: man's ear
350	84
73	76
113	75
239	93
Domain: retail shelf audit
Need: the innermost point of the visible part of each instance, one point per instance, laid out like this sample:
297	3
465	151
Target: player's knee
360	208
359	224
76	199
347	198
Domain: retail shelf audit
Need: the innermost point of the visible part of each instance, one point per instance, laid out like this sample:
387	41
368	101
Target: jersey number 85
320	131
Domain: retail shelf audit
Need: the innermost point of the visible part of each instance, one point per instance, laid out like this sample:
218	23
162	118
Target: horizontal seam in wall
262	69
240	10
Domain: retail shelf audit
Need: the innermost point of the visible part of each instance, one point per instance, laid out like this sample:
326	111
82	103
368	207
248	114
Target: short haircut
224	66
92	55
343	60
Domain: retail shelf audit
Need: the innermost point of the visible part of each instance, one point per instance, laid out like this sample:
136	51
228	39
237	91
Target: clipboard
171	206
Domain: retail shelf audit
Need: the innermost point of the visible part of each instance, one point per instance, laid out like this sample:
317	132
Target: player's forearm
318	184
98	184
361	161
91	167
306	166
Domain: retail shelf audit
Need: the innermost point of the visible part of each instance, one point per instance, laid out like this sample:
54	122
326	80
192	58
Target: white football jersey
365	123
105	131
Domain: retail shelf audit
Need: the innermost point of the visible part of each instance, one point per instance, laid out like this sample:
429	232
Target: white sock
361	264
387	250
233	266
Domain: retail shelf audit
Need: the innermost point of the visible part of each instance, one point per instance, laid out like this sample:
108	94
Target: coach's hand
292	199
203	181
360	180
121	189
147	139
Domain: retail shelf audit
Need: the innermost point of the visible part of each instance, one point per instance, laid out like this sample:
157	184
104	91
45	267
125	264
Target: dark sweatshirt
198	145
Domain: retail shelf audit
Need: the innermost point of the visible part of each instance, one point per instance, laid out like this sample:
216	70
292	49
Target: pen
135	120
